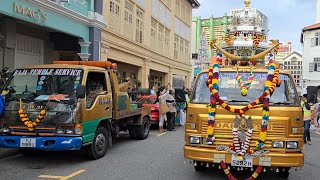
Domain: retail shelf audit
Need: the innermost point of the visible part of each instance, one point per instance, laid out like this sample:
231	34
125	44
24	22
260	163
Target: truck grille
223	131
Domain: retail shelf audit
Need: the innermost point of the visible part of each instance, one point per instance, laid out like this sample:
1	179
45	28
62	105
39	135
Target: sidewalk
5	152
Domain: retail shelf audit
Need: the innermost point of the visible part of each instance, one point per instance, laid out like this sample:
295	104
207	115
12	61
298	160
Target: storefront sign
37	14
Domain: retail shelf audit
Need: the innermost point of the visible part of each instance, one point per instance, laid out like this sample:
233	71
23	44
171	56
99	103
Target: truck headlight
69	131
194	139
277	144
60	131
4	130
292	145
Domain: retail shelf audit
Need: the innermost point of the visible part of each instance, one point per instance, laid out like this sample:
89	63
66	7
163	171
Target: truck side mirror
81	91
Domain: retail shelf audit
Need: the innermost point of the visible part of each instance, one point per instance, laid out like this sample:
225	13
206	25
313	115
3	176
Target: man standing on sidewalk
306	119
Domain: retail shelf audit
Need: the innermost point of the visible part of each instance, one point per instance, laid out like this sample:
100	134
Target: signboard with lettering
33	13
55	72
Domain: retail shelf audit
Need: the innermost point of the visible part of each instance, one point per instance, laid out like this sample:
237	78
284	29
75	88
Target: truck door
98	102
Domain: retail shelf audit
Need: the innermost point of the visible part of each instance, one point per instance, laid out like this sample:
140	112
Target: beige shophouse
149	39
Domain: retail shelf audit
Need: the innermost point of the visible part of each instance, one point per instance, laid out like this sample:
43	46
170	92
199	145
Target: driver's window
95	86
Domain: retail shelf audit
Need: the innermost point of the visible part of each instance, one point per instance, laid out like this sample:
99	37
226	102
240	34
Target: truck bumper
279	159
43	143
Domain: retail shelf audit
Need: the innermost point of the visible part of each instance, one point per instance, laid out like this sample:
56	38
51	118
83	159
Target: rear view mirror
81	91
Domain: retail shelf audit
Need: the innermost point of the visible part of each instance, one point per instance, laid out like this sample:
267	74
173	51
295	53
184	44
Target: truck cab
283	145
68	105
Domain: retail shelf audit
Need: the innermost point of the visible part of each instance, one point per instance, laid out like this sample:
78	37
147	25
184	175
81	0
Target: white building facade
310	39
293	64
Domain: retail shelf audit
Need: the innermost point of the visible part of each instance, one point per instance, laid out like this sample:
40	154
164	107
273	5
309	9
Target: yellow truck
68	105
236	129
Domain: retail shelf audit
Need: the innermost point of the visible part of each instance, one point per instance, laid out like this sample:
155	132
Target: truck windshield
229	89
29	84
39	88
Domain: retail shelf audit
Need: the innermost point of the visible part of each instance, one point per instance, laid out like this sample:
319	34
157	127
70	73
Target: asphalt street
158	157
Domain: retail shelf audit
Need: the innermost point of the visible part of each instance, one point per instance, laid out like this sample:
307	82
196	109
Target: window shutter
311	67
312	42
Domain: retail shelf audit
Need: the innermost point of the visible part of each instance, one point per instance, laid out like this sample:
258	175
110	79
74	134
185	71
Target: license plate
241	163
28	142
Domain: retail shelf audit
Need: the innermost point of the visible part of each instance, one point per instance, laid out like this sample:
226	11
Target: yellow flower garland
25	119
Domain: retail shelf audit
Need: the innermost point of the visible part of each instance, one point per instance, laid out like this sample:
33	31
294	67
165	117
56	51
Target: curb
9	152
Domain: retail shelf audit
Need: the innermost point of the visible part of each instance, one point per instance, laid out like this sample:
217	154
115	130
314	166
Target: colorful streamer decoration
244	85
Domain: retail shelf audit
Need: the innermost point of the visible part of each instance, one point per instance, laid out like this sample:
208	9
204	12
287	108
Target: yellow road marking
73	174
161	134
63	177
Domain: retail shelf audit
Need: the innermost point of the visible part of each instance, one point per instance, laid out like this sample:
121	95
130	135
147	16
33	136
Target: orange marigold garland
25	119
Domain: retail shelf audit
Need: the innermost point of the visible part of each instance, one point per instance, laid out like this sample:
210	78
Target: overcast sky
286	17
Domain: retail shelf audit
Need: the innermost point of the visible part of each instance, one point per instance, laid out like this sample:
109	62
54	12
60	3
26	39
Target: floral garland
25	119
231	177
244	85
242	148
213	85
273	73
214	76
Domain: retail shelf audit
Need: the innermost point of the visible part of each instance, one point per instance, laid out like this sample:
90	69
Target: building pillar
211	29
198	33
144	73
225	23
169	76
95	48
84	55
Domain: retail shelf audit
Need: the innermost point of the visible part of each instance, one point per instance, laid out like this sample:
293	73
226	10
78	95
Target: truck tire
284	173
142	131
132	132
100	143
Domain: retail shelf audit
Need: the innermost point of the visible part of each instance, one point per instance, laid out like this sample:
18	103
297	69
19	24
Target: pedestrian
306	119
163	107
133	93
316	113
152	91
172	110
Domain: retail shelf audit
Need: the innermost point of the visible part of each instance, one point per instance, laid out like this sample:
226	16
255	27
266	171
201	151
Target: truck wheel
142	131
132	132
199	167
283	173
100	143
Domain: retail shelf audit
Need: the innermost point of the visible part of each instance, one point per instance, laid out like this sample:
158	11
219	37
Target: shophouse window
128	19
181	50
176	47
160	38
139	26
113	23
186	50
315	41
115	7
153	42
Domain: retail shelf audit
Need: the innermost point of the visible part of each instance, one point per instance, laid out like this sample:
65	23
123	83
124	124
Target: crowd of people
171	111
